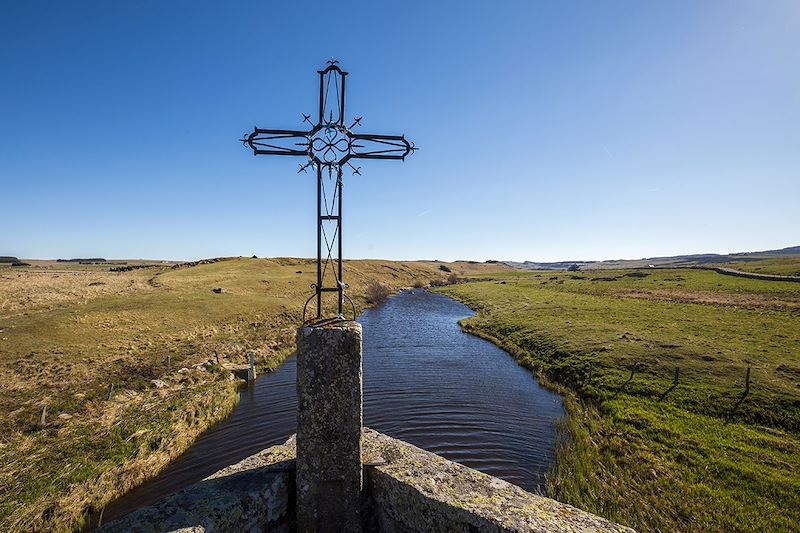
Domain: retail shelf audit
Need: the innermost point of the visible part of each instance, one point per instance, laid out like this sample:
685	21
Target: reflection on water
425	381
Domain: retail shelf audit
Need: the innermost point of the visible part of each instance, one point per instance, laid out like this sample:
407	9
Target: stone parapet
406	489
412	490
256	494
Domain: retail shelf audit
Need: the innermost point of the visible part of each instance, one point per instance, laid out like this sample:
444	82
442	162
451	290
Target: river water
425	381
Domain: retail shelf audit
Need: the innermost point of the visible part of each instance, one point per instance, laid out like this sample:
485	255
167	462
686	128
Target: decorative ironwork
330	146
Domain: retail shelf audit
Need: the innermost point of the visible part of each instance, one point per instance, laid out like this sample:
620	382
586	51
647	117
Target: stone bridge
335	475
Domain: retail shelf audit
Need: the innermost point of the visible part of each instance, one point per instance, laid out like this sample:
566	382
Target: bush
419	284
444	268
452	279
377	293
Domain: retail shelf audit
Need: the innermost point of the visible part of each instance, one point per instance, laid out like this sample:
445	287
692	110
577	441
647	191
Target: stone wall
406	489
753	275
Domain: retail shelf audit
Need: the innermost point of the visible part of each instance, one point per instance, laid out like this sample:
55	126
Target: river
425	381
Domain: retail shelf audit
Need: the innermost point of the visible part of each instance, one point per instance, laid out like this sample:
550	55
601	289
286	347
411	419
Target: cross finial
329	145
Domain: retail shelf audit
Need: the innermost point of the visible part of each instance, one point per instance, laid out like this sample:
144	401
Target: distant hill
83	261
676	261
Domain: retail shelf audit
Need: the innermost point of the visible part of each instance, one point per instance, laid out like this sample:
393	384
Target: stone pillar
329	408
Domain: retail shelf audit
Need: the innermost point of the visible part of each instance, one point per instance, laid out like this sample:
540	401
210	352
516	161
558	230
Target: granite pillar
329	418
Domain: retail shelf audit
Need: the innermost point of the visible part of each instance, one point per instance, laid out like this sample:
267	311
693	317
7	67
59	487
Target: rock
64	416
157	383
218	290
183	370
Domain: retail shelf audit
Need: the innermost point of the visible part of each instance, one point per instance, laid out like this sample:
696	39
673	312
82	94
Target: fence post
251	373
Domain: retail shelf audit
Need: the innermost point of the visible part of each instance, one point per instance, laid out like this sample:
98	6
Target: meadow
663	434
107	376
129	367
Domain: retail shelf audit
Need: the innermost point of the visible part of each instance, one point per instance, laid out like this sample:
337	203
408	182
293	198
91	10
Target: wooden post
43	418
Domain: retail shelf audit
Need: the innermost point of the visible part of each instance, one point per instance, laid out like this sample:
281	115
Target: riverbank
698	456
425	381
108	376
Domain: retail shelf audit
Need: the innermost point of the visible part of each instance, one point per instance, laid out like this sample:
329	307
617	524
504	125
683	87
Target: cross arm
375	146
277	142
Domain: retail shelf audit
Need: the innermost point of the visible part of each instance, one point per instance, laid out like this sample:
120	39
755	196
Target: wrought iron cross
329	146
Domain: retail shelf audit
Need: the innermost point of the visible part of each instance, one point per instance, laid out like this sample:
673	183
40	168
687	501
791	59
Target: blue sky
549	130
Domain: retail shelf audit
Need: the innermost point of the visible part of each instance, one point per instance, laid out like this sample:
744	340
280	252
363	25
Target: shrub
444	268
377	293
419	284
452	279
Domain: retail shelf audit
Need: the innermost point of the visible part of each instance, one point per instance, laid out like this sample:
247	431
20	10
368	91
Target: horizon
247	256
546	131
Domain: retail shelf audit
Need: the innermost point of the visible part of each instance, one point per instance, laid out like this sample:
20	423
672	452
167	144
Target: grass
641	452
125	364
785	266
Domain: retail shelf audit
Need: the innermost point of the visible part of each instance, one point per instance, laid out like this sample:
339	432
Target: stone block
329	417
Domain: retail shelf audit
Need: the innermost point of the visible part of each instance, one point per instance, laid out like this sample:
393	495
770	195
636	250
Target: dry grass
745	300
68	333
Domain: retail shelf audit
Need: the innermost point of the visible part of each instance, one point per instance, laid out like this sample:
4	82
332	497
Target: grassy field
130	367
781	267
644	451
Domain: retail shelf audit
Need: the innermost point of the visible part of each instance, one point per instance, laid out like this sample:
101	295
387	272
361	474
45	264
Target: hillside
675	261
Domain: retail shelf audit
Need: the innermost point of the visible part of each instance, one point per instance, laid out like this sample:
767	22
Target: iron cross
329	146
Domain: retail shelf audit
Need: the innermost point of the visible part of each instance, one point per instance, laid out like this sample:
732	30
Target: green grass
656	458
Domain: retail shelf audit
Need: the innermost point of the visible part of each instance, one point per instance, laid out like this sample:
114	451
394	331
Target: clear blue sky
549	130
